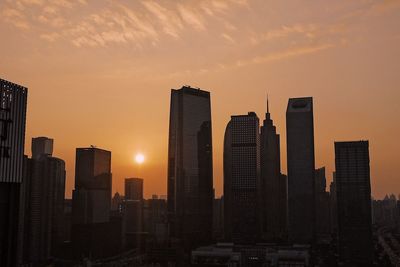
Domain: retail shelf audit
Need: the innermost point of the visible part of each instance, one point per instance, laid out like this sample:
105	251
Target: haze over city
100	73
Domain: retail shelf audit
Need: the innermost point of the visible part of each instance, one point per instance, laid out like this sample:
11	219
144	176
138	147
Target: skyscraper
13	101
353	192
92	195
133	212
44	203
322	208
301	165
134	189
190	172
273	204
93	233
242	179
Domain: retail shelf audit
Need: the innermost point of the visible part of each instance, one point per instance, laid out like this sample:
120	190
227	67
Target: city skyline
358	84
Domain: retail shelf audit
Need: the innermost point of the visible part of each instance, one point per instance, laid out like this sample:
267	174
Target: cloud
191	17
15	17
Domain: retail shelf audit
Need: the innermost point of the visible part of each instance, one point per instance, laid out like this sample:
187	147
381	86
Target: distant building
322	208
44	203
155	220
274	193
134	189
190	171
242	219
132	207
333	205
301	165
353	191
13	101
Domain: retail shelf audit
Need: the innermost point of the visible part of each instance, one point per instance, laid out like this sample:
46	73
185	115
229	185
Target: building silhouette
43	196
353	191
13	101
301	165
322	208
94	232
190	173
242	179
134	189
274	192
133	212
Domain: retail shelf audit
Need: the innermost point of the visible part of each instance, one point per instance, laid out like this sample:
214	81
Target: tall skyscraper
273	195
91	199
133	189
44	203
242	179
13	101
301	165
353	192
93	233
190	172
322	208
133	212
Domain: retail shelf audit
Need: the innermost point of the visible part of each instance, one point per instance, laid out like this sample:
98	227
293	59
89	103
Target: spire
267	104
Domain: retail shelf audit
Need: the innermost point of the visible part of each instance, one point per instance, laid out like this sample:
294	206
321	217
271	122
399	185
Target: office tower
44	203
353	192
322	208
42	146
134	188
283	212
218	218
270	181
13	101
133	212
92	195
242	179
93	233
190	172
301	165
333	206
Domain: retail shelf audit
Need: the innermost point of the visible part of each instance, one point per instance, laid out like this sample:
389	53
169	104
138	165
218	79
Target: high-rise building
133	212
92	195
273	204
301	165
13	101
133	189
322	208
242	179
94	233
353	192
44	189
42	146
190	171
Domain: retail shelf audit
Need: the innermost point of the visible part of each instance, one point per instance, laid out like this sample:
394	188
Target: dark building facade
353	192
44	189
92	228
273	193
134	188
322	208
13	102
242	203
190	172
301	165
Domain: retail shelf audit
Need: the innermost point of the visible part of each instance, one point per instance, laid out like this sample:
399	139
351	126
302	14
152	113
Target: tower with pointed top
273	184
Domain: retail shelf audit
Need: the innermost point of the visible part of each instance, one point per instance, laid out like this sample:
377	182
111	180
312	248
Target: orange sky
100	71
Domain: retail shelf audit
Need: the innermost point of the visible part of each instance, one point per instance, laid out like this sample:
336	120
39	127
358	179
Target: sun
139	158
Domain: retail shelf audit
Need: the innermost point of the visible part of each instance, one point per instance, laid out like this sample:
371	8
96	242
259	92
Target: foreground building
301	165
190	172
13	101
353	192
242	179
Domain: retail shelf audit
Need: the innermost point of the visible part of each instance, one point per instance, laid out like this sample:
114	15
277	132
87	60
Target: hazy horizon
100	73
